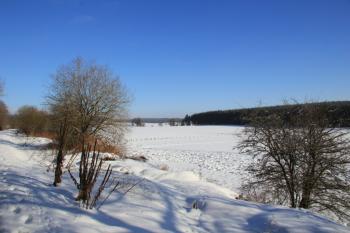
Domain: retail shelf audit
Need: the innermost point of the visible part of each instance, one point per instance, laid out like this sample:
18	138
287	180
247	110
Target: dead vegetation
31	121
87	102
300	161
90	168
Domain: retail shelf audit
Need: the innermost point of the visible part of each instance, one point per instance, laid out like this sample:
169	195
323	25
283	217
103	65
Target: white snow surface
161	202
209	151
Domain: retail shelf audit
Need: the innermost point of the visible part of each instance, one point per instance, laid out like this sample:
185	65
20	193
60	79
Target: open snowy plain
209	151
203	168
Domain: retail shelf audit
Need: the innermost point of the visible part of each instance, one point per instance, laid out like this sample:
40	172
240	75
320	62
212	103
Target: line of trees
338	114
140	122
31	121
28	119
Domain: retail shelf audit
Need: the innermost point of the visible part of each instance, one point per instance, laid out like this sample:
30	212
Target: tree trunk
305	200
60	154
83	194
58	170
305	203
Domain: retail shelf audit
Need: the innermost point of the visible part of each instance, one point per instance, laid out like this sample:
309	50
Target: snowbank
162	202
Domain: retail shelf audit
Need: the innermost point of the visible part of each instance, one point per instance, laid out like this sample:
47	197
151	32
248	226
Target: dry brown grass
105	147
44	134
113	149
101	146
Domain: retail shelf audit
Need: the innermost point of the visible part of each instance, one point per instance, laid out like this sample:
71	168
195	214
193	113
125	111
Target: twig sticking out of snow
103	184
89	170
110	192
114	188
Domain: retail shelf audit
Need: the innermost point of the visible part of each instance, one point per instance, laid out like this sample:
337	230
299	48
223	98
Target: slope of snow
161	202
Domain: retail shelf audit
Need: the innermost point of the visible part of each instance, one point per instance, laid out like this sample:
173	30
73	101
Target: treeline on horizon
338	114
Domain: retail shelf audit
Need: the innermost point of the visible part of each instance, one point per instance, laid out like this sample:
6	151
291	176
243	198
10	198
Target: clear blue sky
182	56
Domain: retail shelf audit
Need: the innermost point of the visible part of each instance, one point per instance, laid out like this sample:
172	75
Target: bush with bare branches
30	120
301	161
86	100
4	114
137	122
89	171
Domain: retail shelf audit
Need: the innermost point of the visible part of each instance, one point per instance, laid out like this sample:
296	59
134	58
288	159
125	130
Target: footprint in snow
16	209
27	219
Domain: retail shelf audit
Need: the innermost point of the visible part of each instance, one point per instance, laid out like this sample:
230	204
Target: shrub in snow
198	204
137	122
31	121
4	115
301	160
89	171
86	99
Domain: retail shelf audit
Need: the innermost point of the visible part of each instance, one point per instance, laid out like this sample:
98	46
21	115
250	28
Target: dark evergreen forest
338	114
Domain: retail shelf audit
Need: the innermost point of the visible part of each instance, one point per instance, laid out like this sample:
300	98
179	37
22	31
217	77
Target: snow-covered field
209	151
162	202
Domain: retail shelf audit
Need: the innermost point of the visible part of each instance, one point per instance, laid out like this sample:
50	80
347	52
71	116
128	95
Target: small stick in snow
122	194
114	188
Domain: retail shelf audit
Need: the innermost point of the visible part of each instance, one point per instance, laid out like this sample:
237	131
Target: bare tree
87	101
173	122
138	122
300	161
3	115
30	120
3	108
61	121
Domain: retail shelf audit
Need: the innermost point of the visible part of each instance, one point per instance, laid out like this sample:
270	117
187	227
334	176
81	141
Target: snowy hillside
162	202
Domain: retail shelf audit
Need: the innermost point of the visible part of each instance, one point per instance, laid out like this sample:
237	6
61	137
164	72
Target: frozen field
162	201
206	150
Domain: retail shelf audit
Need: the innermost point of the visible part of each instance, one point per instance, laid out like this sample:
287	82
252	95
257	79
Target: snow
161	202
208	150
